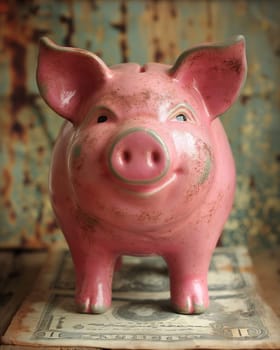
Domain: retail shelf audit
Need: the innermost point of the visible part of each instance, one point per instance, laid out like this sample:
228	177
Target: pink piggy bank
142	165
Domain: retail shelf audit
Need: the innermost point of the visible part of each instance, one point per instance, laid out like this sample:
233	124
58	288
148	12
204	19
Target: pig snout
139	156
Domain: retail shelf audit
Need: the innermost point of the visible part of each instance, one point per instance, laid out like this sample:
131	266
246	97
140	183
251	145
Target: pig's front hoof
87	307
190	297
190	308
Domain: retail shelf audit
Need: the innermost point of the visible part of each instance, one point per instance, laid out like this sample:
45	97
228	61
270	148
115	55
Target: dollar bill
141	316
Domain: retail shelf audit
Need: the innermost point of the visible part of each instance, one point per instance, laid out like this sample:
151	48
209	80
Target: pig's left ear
68	77
216	71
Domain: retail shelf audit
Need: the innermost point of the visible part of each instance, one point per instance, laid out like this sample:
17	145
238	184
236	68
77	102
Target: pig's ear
216	71
67	77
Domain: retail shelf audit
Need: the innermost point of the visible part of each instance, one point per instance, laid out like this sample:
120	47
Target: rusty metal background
141	31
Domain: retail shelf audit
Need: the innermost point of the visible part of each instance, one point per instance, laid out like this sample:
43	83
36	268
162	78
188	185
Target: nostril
126	156
156	157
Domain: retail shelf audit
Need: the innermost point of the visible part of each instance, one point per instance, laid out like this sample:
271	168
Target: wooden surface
267	269
19	270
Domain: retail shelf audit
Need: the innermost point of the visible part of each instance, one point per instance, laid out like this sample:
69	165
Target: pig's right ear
68	77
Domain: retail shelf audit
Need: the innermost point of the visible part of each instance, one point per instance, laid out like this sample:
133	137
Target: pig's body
135	177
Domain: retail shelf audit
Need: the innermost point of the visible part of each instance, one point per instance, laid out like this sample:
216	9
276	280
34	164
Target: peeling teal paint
206	170
77	151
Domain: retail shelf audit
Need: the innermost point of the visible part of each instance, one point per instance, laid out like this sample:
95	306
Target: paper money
141	316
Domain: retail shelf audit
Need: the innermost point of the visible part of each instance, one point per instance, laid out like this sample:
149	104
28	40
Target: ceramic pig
142	165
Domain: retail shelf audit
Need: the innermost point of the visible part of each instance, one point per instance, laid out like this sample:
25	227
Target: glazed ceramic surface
142	165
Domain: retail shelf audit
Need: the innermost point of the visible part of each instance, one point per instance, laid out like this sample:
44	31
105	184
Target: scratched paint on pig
137	31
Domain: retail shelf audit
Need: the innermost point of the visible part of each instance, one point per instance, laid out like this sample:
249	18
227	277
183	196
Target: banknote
141	315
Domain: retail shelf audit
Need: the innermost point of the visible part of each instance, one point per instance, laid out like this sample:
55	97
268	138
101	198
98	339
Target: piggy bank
142	165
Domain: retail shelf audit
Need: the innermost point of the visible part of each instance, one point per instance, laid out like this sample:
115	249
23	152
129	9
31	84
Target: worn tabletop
19	270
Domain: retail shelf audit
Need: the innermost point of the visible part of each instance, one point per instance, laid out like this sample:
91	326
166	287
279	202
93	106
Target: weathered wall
135	30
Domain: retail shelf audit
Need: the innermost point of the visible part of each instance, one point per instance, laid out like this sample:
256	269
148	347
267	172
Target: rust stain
27	241
15	41
70	28
52	226
158	53
163	43
94	5
5	191
26	178
121	26
18	72
252	182
17	129
155	15
37	33
11	211
173	10
40	151
41	117
12	216
244	99
38	231
34	9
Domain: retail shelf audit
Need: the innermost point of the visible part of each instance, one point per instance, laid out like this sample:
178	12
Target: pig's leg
188	282
94	273
118	264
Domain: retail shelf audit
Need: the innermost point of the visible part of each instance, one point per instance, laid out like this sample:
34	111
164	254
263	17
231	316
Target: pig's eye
102	119
181	117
